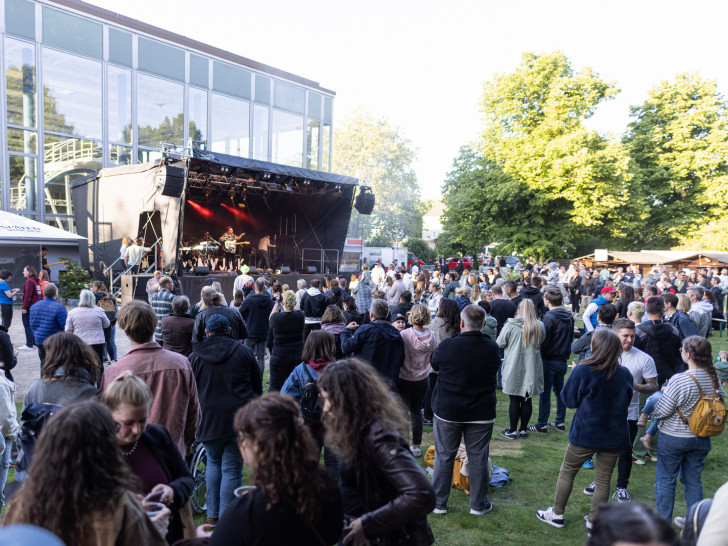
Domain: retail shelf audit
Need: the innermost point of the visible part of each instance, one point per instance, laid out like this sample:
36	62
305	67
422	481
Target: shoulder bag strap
308	373
699	390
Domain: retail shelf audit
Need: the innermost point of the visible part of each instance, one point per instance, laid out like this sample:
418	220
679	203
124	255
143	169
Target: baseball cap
398	316
217	324
607	290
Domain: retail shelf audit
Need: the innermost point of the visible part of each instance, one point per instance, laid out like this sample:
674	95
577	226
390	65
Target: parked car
412	259
453	262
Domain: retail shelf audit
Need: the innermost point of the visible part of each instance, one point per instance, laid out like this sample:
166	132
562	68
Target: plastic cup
240	491
153	508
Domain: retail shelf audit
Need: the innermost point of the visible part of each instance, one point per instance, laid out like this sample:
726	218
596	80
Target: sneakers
651	457
523	435
510	434
589	524
416	451
637	461
440	511
488	508
557	426
680	522
548	516
589	463
538	429
25	348
622	495
589	491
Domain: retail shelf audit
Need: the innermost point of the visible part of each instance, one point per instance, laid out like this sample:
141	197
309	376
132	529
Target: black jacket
286	332
465	388
255	310
379	343
661	341
559	324
237	324
313	306
6	353
535	295
395	496
502	310
227	376
402	308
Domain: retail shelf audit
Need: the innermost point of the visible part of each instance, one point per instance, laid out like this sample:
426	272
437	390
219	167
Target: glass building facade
84	89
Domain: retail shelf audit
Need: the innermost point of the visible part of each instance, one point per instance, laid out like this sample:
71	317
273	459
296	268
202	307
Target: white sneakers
548	516
416	451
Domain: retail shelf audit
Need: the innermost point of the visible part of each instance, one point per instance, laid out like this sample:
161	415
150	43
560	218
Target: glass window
119	92
289	97
314	105
231	79
144	156
73	33
71	104
261	115
328	110
197	113
66	223
287	139
22	141
230	126
20	18
65	159
120	47
325	147
23	173
262	89
199	71
120	155
161	59
160	114
20	82
312	144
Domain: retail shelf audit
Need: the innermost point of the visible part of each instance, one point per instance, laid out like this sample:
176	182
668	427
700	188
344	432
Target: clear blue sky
422	64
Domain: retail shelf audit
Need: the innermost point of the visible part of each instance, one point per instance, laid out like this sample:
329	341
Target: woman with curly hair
294	501
386	495
626	296
80	488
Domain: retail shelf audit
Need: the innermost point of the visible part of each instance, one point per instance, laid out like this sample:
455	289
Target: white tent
17	229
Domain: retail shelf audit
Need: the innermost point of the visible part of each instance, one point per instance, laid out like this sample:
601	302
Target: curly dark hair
68	351
77	472
286	465
449	311
351	385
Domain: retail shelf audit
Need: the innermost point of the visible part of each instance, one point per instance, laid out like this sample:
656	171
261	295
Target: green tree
420	248
678	142
371	148
379	239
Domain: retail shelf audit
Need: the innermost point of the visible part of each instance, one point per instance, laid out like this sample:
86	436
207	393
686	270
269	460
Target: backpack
108	306
33	420
311	409
708	418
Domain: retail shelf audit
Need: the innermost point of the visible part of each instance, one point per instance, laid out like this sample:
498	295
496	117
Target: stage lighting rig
207	190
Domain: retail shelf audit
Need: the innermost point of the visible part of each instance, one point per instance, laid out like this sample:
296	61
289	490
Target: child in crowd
722	367
646	414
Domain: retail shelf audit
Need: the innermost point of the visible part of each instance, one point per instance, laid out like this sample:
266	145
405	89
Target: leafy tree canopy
420	248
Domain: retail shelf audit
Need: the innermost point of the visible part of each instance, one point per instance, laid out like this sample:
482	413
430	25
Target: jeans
554	372
684	456
573	459
258	348
29	338
111	347
223	475
6	445
447	441
649	408
6	312
413	394
624	466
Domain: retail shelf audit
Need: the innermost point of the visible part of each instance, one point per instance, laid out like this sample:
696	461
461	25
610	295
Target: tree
678	143
420	248
378	239
370	148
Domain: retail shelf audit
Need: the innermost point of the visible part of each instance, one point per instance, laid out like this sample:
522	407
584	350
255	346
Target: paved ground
28	368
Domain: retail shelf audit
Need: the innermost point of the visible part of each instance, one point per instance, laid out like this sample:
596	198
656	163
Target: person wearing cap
399	321
242	280
228	377
590	313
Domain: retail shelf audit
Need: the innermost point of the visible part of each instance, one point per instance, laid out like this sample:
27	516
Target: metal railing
320	256
114	279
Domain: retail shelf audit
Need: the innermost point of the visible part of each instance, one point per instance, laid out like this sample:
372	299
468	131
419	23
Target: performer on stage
229	239
263	245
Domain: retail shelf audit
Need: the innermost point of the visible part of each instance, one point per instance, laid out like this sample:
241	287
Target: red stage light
240	214
202	211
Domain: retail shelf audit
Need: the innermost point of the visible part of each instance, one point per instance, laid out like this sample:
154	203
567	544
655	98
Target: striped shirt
88	323
162	305
682	393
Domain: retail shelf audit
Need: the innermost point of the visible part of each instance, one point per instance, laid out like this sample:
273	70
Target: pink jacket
417	351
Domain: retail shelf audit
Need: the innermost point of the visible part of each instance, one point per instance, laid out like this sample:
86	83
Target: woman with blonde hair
521	337
475	295
683	303
635	311
285	339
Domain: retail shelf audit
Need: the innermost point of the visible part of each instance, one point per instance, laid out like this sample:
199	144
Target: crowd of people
357	367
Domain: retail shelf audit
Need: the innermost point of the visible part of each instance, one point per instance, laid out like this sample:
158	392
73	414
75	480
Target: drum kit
205	252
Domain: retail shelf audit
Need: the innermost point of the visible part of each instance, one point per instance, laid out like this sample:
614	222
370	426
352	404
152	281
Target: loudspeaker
202	270
364	203
253	270
170	180
311	269
285	270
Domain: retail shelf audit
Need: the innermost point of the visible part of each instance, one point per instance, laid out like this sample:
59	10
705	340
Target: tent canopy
17	229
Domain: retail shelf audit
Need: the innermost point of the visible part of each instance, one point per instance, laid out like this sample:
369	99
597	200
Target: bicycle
198	467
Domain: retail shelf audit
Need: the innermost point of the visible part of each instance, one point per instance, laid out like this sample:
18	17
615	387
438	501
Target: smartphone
154	496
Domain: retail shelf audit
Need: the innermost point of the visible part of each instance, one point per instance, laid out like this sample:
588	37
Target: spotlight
266	176
288	188
207	190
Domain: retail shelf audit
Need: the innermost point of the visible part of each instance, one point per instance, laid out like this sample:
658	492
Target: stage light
288	188
306	182
207	190
266	176
202	211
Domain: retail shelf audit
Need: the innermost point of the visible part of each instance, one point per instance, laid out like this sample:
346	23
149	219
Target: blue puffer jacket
47	317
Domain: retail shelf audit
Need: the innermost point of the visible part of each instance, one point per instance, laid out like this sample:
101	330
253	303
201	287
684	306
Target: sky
422	64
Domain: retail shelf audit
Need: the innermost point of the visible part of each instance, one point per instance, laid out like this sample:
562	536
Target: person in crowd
101	293
200	305
419	343
490	326
575	291
626	296
378	275
161	302
43	279
351	312
31	295
534	294
419	288
354	278
404	306
167	374
285	338
555	350
522	370
679	451
386	495
600	390
606	295
300	291
336	298
682	322
153	285
148	449
215	306
631	523
294	501
635	311
510	291
242	281
313	305
8	430
501	308
701	311
433	298
46	317
69	374
227	377
8	355
88	321
7	296
217	287
81	489
363	292
464	403
237	300
378	342
177	327
334	322
462	297
399	322
660	340
605	317
450	285
394	293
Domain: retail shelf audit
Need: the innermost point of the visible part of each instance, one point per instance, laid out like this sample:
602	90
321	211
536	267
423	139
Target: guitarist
229	239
